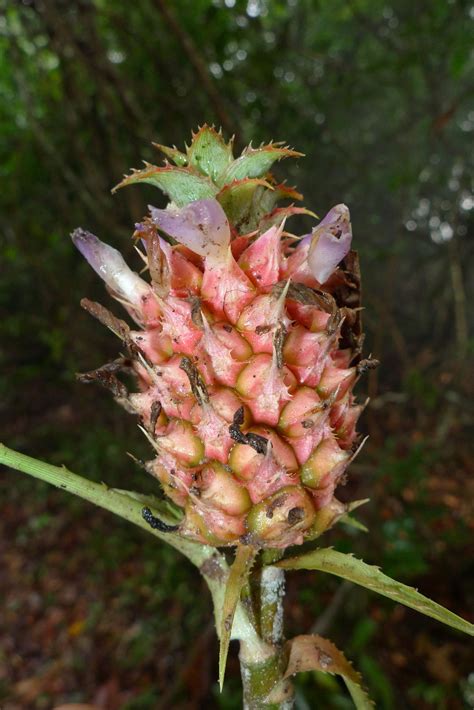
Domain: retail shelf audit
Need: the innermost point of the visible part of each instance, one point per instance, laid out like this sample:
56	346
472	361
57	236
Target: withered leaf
116	325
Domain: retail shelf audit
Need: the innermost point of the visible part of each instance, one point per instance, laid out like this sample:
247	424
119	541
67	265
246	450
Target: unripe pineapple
246	350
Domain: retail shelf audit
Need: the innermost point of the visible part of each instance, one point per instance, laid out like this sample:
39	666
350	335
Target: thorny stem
118	502
263	684
208	560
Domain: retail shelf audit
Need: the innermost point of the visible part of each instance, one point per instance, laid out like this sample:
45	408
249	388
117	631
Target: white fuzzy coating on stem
273	591
252	648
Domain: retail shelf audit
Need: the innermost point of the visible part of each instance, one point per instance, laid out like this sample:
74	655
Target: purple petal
111	267
330	242
202	226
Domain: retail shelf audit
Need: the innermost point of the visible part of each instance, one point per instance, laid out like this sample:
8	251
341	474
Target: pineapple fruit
246	347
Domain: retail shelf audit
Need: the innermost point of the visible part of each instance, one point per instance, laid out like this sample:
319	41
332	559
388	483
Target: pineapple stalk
263	683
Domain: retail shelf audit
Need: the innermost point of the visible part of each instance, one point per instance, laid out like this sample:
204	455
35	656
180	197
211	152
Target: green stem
263	684
272	591
116	502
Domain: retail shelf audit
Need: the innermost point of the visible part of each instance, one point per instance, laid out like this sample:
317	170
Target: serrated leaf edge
238	575
361	573
244	181
337	664
150	170
173	153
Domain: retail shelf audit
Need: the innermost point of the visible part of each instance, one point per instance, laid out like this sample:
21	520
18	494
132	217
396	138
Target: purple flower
111	267
201	226
330	242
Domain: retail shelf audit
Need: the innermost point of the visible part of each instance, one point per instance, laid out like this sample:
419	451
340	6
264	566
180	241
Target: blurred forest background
379	96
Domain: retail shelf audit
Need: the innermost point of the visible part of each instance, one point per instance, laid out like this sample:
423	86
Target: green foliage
255	162
357	571
209	153
181	186
378	682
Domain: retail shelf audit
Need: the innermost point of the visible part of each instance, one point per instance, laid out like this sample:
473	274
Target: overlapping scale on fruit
244	360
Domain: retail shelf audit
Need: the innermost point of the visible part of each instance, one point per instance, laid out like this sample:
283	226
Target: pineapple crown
219	205
243	186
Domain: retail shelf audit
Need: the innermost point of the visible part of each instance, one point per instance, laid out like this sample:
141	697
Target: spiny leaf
209	153
119	327
238	576
255	162
269	198
358	695
357	571
264	202
284	191
353	522
99	494
181	185
354	504
240	199
276	217
314	653
178	158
